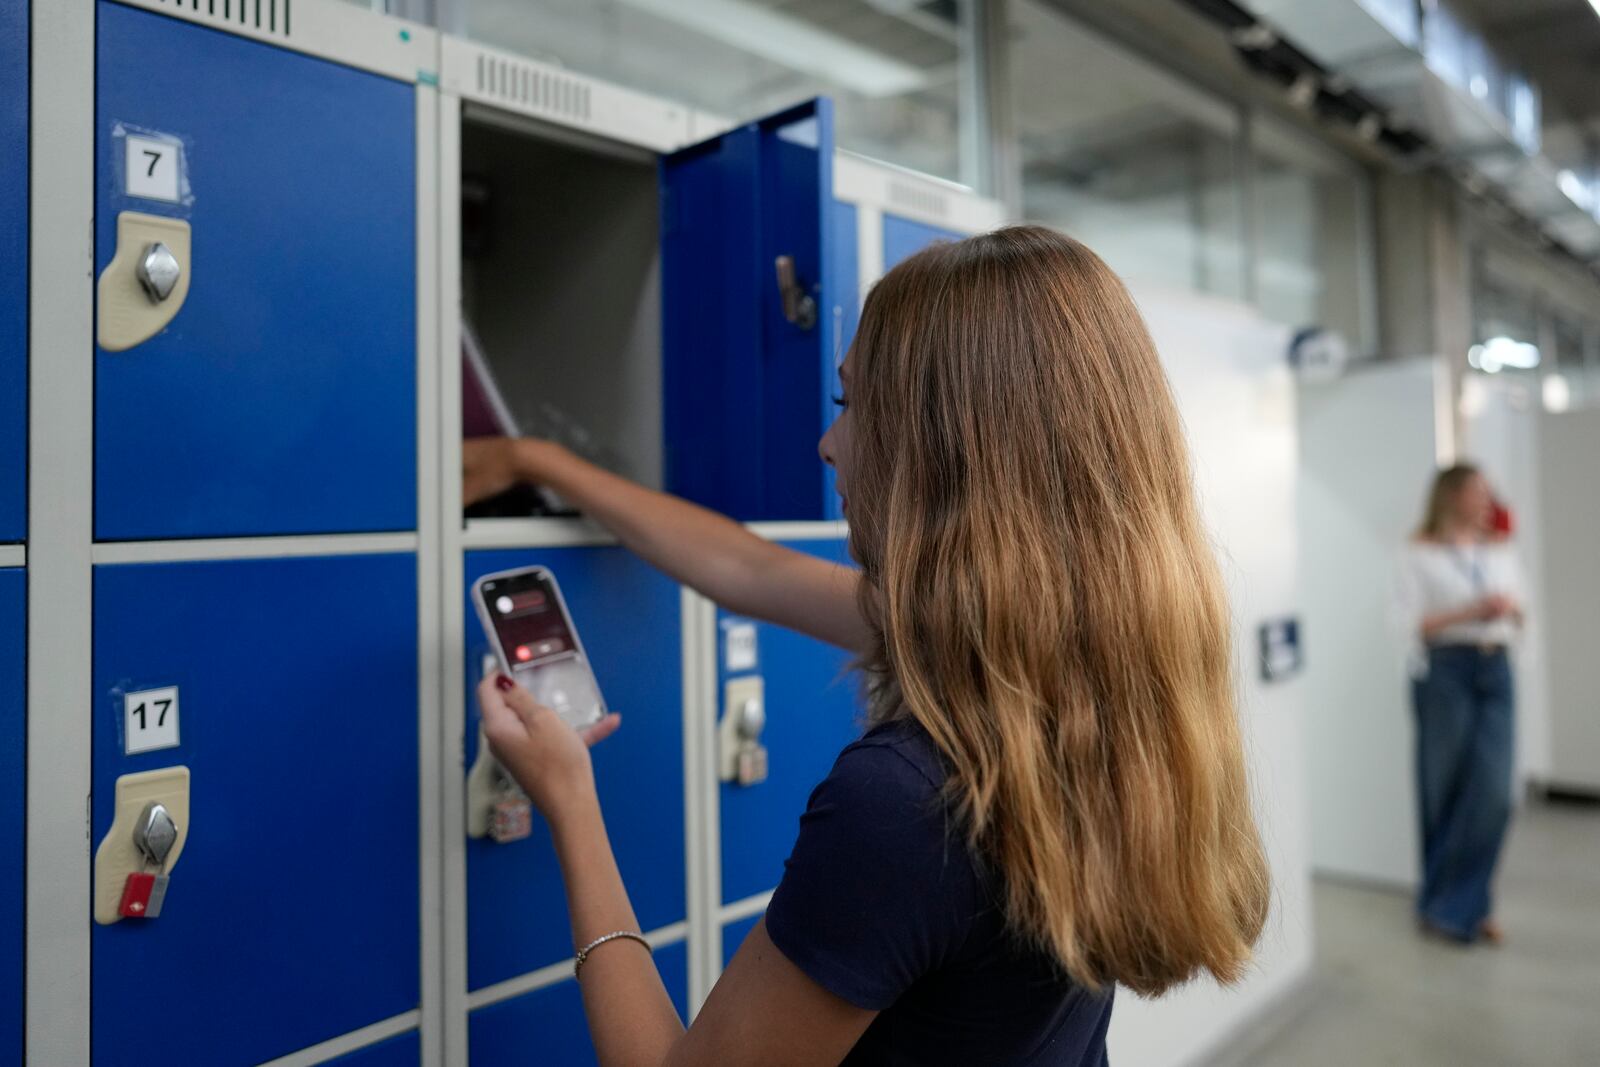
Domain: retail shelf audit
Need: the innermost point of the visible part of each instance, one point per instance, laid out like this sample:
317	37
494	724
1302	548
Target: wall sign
1281	656
150	720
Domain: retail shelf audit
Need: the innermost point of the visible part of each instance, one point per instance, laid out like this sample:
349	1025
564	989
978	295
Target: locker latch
159	271
146	282
149	825
798	305
497	808
743	757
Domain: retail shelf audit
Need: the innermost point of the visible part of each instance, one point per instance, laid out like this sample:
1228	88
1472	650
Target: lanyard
1471	565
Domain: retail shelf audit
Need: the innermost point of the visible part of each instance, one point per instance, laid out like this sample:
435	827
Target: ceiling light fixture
1499	353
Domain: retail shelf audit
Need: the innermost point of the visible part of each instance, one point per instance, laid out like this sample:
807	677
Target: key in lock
751	719
145	890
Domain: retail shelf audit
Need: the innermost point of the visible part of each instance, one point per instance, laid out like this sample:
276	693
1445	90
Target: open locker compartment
561	294
630	305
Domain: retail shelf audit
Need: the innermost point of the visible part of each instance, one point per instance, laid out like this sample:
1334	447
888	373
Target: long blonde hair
1447	486
1047	606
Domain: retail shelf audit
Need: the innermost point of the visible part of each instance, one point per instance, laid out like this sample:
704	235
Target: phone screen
537	644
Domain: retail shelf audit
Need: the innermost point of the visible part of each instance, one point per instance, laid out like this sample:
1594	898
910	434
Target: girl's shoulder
899	749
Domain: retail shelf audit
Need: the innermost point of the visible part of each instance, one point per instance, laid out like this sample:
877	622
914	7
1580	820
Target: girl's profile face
1475	503
835	444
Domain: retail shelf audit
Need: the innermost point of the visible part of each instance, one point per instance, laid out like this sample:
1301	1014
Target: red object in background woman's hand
1500	525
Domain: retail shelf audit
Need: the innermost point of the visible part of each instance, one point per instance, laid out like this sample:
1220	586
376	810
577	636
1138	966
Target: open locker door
752	318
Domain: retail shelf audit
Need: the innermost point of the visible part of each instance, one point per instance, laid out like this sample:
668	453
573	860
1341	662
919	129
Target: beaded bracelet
583	953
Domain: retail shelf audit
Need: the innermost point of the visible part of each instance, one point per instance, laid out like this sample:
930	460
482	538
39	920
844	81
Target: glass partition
1313	237
1138	165
893	70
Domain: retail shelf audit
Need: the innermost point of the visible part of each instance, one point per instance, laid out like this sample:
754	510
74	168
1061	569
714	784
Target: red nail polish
504	684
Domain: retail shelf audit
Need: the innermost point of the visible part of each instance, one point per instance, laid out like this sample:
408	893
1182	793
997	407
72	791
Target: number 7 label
150	720
152	167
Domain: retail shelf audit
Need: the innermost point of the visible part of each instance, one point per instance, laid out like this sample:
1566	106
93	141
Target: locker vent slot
918	199
530	87
268	16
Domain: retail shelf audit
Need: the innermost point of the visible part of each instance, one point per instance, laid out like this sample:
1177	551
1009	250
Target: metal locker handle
798	305
145	284
743	719
158	271
150	820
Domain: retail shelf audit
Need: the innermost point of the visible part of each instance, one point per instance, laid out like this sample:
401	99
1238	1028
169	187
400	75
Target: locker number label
150	720
740	642
153	168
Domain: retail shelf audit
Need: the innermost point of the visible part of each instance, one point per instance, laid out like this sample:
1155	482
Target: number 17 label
150	719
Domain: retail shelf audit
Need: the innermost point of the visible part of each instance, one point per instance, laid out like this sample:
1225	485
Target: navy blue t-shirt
884	904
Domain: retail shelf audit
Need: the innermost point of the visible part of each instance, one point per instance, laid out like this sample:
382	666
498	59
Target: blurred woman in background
1461	599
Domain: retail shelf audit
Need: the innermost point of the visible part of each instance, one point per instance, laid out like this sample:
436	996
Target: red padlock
142	895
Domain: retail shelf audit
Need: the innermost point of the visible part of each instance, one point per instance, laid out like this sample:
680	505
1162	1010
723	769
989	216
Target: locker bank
302	215
269	268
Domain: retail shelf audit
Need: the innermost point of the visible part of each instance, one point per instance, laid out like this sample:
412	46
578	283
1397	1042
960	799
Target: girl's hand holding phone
546	756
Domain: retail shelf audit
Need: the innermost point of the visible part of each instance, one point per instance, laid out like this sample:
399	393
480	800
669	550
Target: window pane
1136	164
1311	242
891	70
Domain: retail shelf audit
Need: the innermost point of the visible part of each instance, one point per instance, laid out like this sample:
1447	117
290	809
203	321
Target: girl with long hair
1050	798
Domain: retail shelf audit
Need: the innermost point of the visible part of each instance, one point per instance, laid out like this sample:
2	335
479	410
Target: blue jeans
1464	770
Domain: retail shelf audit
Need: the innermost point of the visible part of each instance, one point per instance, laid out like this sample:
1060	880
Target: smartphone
533	638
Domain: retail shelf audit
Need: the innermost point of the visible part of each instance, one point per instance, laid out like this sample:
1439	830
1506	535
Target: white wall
1569	456
1368	449
1229	373
1500	433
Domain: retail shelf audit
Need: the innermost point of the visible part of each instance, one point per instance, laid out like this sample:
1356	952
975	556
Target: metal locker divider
281	397
14	104
404	1050
13	798
811	713
628	618
551	1019
292	914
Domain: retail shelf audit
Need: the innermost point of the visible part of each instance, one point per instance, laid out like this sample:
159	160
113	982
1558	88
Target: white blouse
1434	577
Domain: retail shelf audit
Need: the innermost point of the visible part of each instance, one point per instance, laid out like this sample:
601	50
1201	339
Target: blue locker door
846	277
812	713
13	280
905	237
292	915
548	1027
746	392
282	397
628	616
13	798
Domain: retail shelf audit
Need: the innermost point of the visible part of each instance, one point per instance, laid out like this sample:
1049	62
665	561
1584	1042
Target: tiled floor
1382	995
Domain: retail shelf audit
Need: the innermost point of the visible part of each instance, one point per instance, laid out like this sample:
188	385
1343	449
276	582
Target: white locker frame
61	483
